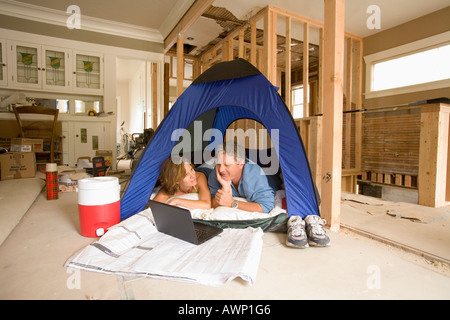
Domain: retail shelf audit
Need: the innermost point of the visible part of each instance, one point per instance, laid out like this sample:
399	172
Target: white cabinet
3	65
52	68
40	67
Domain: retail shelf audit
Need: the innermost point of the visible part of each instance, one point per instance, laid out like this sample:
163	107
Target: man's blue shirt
254	185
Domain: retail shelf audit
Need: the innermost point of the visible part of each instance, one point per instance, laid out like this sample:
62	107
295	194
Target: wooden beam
166	89
315	149
333	70
273	48
287	71
320	106
194	12
180	65
348	105
270	46
305	69
241	50
358	72
433	155
253	42
299	18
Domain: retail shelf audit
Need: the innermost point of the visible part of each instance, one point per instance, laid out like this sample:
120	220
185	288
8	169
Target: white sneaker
316	234
296	235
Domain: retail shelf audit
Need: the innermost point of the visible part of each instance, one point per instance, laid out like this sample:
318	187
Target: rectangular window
422	67
83	107
297	102
413	67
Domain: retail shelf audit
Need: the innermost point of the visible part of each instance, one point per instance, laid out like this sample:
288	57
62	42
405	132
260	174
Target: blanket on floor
223	217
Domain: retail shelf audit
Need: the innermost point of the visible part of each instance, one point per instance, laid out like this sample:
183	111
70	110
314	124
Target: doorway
136	94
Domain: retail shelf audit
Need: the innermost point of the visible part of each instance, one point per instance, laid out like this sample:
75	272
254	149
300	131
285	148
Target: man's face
228	168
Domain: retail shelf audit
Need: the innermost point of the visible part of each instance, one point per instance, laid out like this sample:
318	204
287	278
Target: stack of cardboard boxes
21	161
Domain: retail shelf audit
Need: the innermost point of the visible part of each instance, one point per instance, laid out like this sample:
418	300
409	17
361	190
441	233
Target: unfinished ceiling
225	23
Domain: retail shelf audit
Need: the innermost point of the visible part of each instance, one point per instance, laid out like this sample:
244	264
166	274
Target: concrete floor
354	267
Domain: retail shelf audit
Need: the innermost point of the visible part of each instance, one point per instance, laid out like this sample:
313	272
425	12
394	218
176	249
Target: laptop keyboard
201	234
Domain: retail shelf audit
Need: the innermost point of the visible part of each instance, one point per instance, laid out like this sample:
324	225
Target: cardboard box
107	155
16	165
26	145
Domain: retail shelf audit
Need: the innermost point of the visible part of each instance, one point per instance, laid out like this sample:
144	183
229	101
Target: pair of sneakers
303	233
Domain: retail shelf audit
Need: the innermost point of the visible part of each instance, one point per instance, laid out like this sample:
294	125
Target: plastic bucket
98	205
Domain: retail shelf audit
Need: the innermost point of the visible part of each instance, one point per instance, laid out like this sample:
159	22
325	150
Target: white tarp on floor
135	248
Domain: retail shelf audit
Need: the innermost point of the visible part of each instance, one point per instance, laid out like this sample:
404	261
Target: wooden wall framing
259	42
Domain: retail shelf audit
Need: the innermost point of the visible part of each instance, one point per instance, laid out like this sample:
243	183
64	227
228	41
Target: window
83	107
417	66
62	105
422	67
297	102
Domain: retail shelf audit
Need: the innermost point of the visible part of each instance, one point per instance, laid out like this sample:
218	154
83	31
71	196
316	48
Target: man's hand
226	184
224	198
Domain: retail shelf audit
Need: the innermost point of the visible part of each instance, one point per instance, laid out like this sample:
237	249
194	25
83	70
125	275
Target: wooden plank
166	89
287	70
358	102
391	141
241	50
273	48
225	50
433	156
180	65
270	29
253	42
305	69
332	111
300	18
315	150
348	106
321	78
230	49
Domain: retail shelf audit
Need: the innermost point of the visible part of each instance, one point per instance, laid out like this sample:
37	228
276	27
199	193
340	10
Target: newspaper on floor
135	248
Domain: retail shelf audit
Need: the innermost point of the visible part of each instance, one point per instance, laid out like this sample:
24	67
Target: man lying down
236	176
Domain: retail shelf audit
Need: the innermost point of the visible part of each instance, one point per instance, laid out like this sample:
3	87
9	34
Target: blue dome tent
226	92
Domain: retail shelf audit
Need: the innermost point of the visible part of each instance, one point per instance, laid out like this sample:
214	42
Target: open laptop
177	222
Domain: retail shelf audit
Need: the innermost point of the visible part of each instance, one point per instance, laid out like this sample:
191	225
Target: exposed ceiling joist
194	12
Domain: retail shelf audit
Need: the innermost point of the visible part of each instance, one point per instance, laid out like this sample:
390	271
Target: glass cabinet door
27	66
88	72
3	75
55	68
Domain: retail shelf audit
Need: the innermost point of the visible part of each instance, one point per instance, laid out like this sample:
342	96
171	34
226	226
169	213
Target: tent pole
333	71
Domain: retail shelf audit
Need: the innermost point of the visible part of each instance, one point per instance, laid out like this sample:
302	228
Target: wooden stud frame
318	132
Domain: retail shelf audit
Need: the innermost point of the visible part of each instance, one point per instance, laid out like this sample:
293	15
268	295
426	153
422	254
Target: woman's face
190	179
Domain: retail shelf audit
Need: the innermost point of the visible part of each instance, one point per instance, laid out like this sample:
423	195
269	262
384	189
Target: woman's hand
174	202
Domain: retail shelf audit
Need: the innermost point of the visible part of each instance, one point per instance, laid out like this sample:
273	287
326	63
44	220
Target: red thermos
51	170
